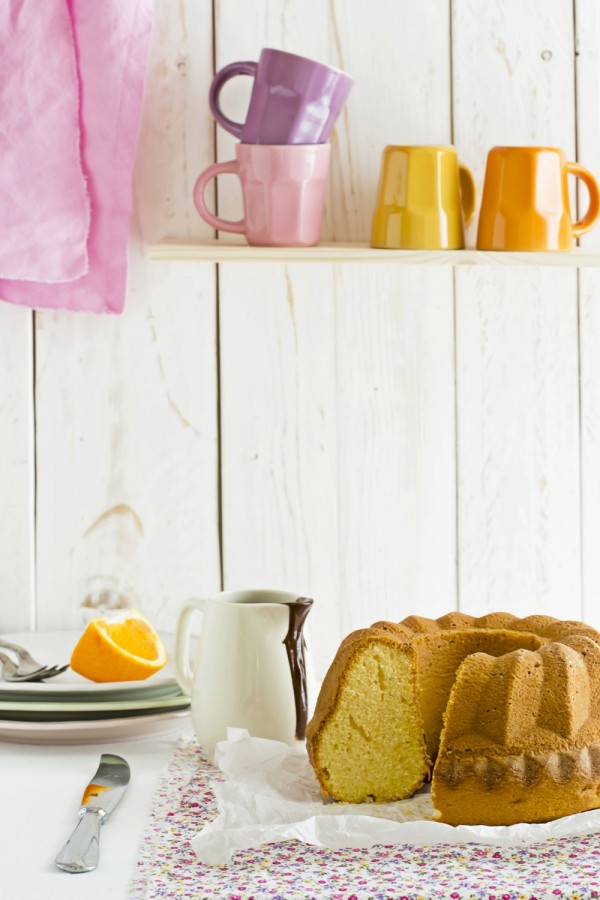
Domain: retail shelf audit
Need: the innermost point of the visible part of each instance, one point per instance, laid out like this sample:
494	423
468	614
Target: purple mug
294	99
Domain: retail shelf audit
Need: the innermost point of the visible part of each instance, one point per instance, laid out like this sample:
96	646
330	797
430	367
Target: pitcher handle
467	192
591	184
183	670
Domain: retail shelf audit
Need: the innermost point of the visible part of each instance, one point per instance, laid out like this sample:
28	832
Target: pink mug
283	191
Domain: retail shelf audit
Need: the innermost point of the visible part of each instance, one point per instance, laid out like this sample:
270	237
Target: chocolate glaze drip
295	647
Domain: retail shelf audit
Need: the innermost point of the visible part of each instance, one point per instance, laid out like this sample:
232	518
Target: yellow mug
422	196
525	203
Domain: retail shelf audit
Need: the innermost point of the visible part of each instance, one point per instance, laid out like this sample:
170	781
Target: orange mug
525	202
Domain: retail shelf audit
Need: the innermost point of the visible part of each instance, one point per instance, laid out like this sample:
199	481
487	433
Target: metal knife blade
81	852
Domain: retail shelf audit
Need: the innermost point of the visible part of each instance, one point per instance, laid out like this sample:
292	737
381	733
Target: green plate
66	708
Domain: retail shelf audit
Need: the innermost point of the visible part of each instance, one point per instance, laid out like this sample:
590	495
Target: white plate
94	732
54	648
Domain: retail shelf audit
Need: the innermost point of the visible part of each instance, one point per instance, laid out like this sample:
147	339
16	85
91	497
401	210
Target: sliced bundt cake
523	715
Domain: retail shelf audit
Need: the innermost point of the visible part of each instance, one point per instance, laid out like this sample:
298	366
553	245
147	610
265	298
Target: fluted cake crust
515	700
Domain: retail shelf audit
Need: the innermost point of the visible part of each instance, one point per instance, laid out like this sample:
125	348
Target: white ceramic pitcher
251	669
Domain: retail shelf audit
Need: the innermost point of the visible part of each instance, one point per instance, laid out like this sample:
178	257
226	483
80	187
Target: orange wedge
124	647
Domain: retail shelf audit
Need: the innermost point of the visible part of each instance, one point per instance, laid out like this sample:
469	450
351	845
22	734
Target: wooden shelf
228	251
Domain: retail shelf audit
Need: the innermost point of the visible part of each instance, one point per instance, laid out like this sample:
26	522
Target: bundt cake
502	713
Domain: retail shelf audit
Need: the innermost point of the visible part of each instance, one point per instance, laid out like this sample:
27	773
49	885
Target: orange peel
124	647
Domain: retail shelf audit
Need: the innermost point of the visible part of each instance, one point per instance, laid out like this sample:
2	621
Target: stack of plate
69	709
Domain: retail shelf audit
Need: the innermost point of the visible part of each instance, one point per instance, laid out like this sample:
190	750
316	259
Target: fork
27	669
10	671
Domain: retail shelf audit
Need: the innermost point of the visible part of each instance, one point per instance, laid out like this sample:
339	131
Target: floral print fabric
184	801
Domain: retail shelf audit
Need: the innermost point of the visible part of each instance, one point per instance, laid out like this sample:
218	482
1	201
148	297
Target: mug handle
218	82
467	192
232	167
183	670
591	184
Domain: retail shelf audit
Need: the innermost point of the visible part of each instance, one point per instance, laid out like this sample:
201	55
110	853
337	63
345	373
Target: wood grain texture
399	57
127	406
394	327
177	131
587	18
348	252
17	472
517	356
279	421
396	464
279	510
334	358
331	467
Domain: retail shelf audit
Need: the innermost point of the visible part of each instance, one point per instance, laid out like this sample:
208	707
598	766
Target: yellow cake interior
377	722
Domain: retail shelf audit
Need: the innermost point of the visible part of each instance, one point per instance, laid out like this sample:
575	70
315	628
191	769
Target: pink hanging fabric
110	41
44	208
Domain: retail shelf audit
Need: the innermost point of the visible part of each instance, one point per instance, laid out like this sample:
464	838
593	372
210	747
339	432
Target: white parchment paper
271	794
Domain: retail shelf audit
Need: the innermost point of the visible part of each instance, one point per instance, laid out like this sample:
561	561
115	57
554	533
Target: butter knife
81	852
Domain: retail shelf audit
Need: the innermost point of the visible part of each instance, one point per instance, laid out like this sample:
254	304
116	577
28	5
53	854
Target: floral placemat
184	801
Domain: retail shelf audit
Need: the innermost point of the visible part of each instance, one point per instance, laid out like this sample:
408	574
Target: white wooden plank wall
395	345
127	454
343	395
277	341
587	20
516	331
17	476
388	439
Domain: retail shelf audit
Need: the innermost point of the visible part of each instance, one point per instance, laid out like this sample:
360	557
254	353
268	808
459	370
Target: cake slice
366	740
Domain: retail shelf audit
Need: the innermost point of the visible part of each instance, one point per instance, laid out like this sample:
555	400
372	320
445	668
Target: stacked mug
282	160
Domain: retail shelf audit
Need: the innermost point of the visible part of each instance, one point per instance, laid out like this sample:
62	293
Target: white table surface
40	792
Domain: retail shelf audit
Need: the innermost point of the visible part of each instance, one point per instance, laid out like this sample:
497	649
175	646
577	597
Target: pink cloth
111	40
44	208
